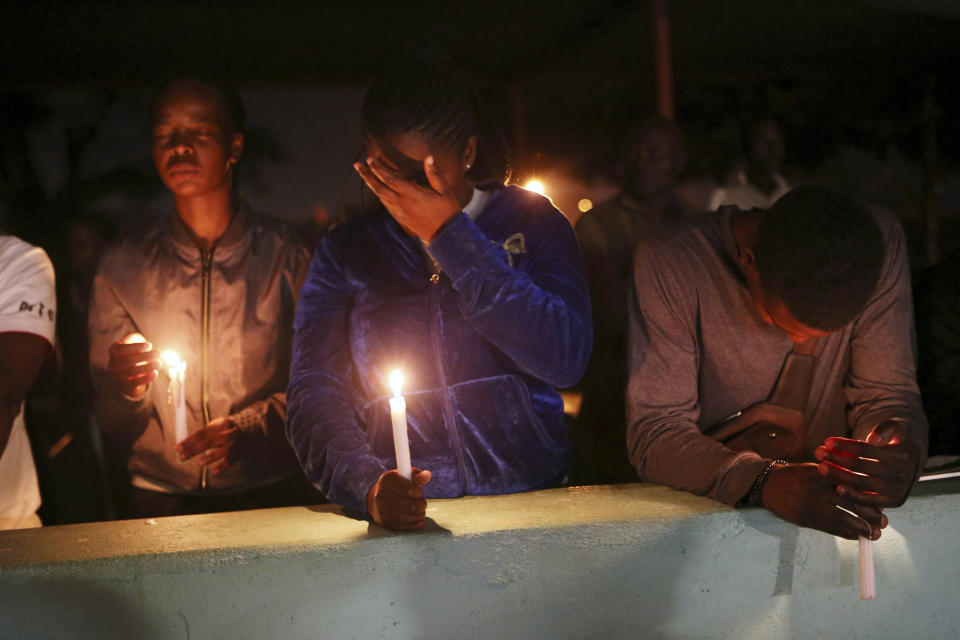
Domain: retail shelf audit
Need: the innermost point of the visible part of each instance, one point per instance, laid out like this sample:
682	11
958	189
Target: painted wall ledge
637	561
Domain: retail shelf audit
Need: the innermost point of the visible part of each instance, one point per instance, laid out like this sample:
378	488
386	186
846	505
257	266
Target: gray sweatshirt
700	352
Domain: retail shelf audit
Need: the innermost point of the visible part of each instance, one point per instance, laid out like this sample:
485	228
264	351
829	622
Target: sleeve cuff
363	474
459	245
739	477
247	421
36	326
132	402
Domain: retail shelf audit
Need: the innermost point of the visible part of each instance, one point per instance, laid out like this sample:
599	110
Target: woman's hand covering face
420	210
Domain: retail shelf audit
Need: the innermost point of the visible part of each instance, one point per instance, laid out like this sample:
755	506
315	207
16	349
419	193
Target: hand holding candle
874	474
396	500
133	364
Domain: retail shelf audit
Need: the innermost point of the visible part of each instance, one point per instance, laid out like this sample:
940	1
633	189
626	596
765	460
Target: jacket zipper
449	420
206	260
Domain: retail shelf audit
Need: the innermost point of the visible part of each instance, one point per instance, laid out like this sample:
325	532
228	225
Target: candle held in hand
175	393
398	416
868	577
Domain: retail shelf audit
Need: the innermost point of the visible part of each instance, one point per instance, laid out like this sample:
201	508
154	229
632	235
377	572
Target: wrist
135	394
441	227
755	495
371	501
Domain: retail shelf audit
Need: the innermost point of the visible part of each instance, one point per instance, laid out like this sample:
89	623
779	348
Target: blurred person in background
652	159
938	342
758	182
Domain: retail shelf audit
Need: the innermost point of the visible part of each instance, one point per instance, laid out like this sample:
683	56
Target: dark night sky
835	73
590	62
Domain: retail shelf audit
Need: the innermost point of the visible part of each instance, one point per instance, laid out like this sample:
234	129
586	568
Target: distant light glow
585	205
396	383
536	186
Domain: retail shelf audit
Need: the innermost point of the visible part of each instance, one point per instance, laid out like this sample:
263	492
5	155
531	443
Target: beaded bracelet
754	495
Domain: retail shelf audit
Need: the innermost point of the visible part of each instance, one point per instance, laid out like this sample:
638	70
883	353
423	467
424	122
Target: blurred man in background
758	183
652	160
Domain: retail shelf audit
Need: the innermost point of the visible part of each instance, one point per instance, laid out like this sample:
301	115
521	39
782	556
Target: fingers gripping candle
398	416
175	393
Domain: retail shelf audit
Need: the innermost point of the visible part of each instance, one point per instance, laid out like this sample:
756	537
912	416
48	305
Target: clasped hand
878	472
846	493
420	210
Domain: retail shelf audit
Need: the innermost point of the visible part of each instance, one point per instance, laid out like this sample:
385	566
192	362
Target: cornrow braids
422	93
425	93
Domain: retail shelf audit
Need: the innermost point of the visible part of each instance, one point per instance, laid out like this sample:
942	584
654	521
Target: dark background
571	75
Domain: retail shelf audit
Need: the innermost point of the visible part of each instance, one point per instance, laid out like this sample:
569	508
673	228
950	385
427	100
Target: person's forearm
331	446
541	321
9	408
680	456
118	414
264	418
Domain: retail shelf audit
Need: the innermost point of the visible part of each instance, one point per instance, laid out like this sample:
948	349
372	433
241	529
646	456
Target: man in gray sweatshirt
722	304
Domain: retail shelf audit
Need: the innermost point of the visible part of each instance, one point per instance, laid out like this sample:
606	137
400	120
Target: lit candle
868	579
883	434
175	393
398	415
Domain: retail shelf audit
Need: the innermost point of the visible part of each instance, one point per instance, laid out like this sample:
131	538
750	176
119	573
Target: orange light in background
585	205
536	186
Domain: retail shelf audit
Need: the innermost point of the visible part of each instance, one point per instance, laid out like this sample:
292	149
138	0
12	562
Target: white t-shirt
27	304
746	196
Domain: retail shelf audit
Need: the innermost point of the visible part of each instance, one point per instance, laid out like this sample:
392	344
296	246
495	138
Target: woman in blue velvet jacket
478	295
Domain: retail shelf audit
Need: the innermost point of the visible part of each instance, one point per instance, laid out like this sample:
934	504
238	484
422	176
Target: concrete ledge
637	561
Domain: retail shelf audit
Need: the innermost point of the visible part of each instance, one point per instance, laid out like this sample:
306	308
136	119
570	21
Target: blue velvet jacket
482	348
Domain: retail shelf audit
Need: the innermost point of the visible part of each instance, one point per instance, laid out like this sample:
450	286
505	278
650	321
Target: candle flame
171	359
396	383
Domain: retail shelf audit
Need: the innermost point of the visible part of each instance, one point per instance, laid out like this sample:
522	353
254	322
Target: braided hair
426	94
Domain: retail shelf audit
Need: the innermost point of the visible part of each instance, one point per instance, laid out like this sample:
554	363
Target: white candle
175	393
868	579
398	416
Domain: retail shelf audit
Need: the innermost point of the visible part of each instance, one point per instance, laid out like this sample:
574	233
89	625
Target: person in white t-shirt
758	183
27	325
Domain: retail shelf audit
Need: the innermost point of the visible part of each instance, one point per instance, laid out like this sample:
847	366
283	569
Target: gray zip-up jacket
229	314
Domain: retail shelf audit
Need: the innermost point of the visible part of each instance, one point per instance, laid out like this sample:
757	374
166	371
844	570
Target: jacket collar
234	235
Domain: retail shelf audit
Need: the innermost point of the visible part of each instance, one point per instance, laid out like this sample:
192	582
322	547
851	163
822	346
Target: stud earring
468	166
